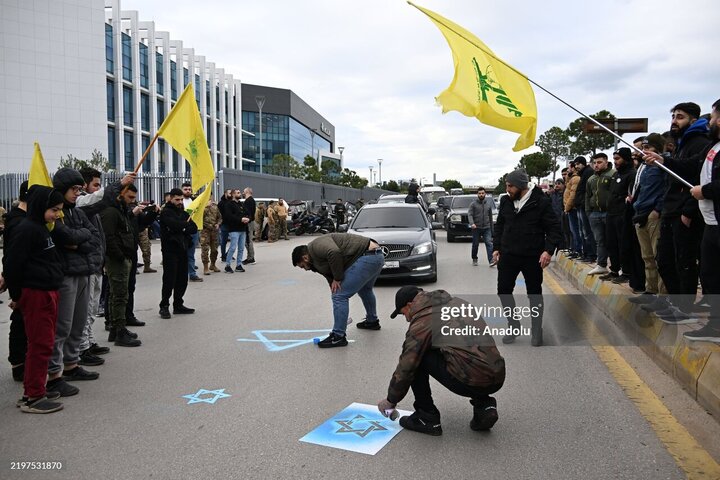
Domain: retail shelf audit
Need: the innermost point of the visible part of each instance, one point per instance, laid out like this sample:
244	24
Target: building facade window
197	90
126	57
160	112
173	80
148	160
127	106
175	161
159	74
144	67
162	155
145	111
129	151
186	77
207	95
109	58
112	151
110	87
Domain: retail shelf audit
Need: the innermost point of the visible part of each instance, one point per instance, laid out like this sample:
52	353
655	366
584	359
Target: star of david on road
346	426
201	396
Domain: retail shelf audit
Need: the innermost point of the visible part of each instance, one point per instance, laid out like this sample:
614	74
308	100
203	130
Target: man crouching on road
467	365
351	264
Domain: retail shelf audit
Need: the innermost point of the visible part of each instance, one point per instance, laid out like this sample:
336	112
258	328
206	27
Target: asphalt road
562	415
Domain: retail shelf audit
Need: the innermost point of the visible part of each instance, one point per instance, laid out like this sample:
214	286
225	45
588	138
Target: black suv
456	220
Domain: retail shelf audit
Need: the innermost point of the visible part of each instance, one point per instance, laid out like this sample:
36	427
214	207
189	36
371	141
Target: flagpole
147	151
633	147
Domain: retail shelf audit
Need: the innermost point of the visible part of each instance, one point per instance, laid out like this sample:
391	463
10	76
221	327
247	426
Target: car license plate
392	264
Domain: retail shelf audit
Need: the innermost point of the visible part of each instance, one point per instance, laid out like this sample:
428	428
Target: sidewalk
694	365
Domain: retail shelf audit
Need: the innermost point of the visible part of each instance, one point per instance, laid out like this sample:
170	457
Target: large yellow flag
196	209
484	86
38	170
183	130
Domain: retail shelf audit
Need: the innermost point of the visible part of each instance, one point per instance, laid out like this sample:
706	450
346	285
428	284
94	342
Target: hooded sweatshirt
31	258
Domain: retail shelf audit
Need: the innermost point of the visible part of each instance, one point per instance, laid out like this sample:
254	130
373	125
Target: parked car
391	199
457	223
405	236
443	206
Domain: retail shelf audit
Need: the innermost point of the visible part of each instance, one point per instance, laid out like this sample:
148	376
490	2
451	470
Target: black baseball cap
404	296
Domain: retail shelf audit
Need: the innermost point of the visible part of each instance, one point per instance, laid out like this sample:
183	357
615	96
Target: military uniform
282	221
260	215
273	221
209	238
145	248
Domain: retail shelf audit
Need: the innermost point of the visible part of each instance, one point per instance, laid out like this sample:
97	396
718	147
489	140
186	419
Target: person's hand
128	179
545	259
217	226
12	305
335	286
496	256
654	215
383	405
3	287
696	192
652	157
473	226
245	220
138	210
686	220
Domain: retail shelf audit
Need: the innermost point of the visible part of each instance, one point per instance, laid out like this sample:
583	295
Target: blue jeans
586	234
598	223
577	243
191	255
223	240
487	238
237	240
359	278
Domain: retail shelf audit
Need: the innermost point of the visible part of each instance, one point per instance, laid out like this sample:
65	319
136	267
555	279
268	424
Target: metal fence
152	186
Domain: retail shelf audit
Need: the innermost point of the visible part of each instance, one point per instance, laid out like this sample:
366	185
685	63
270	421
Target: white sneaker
598	270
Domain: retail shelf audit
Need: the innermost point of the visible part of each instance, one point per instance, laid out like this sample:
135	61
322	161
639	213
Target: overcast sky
373	68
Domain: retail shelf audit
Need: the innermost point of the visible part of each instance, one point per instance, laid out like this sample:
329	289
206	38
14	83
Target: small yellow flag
38	170
196	209
183	129
484	86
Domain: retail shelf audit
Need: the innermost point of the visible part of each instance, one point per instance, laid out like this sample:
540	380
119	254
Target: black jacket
12	219
711	191
250	207
586	173
686	162
175	230
621	181
233	214
119	238
31	258
529	232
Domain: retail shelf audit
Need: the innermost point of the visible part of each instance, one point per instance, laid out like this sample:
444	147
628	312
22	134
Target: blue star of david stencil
201	396
346	426
276	345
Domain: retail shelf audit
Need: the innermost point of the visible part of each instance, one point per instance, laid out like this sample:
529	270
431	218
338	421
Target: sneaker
493	263
18	373
249	261
100	313
41	405
62	387
228	269
90	360
704	334
598	270
638	291
422	422
701	306
621	279
147	269
183	310
475	262
678	318
644	298
609	276
333	341
164	312
484	419
134	322
195	278
222	258
125	338
79	374
660	303
573	256
368	325
114	332
96	349
239	268
48	395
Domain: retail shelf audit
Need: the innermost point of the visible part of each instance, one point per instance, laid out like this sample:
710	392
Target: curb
694	365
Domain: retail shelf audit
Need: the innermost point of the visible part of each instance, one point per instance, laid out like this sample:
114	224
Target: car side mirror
342	228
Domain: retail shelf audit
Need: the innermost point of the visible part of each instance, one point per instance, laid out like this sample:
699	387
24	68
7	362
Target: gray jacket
480	213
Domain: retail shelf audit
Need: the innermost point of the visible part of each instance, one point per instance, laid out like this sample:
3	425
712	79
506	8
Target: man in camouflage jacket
209	237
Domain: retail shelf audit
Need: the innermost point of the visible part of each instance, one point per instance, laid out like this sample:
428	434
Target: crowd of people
637	224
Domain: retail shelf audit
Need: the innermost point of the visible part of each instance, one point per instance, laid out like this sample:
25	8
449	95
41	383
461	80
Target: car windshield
391	199
389	218
462	202
432	197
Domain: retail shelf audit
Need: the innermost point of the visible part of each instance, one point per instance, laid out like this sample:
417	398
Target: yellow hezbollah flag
196	209
184	131
484	86
38	170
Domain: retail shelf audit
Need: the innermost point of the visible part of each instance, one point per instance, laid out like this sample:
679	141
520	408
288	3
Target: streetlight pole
380	160
260	101
371	174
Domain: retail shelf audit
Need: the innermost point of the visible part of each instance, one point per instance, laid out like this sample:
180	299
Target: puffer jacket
570	191
478	365
529	232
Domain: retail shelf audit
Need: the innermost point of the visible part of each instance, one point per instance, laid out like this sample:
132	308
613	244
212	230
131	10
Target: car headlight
456	218
422	249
